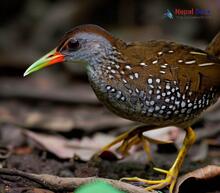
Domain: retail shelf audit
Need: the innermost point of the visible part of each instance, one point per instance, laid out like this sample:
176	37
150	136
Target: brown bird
156	83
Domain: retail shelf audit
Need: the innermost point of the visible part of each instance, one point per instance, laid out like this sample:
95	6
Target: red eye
73	45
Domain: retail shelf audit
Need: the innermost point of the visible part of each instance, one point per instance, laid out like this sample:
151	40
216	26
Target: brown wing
173	62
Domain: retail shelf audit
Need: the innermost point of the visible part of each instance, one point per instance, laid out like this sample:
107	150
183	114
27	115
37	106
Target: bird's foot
133	137
127	140
170	180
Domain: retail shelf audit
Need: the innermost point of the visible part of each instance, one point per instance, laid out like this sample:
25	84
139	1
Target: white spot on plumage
167	86
123	98
143	64
125	81
151	110
117	66
128	67
111	77
183	104
176	112
157	108
198	53
108	87
190	105
155	61
113	90
167	100
131	77
206	64
163	107
118	94
161	111
158	80
177	102
190	62
136	75
152	102
160	53
150	80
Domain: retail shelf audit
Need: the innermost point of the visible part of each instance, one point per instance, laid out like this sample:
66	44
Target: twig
56	183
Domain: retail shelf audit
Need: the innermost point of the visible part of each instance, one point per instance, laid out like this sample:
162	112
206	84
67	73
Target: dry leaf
200	181
166	135
64	148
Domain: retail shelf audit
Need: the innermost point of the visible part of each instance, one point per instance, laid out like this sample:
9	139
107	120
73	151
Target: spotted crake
155	83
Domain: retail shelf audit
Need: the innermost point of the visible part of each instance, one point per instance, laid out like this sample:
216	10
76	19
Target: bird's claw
170	180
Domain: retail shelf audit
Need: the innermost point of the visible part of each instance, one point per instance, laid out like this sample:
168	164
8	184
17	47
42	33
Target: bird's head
87	44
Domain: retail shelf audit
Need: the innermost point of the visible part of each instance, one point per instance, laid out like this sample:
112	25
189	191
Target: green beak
51	58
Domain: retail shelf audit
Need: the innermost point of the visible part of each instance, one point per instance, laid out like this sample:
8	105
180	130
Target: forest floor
52	124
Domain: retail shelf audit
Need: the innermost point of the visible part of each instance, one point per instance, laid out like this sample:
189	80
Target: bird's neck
103	59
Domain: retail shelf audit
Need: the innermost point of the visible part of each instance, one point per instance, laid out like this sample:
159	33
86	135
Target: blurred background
30	28
58	101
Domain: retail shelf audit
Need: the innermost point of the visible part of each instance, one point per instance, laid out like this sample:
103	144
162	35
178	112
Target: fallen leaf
200	181
64	148
165	134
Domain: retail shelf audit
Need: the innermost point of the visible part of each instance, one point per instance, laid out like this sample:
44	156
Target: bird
154	83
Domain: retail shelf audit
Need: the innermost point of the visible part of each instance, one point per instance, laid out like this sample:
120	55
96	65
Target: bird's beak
52	57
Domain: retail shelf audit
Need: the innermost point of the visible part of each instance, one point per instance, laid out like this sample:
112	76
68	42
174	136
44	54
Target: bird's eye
73	45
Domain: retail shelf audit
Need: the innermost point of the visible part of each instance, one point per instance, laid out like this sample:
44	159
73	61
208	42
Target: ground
46	128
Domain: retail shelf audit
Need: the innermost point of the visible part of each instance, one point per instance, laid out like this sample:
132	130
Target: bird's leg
132	137
138	137
127	144
172	173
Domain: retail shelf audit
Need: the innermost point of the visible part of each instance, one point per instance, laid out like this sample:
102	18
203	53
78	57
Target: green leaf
97	187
